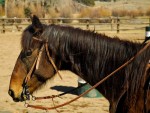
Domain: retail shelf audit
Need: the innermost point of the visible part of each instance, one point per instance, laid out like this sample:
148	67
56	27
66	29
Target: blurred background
74	8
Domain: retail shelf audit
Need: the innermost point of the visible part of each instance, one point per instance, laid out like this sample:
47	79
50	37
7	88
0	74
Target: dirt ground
9	51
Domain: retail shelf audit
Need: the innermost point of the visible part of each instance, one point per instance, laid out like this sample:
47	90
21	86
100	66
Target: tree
2	2
2	5
27	12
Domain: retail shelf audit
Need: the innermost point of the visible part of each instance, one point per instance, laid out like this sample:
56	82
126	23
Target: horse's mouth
17	100
21	99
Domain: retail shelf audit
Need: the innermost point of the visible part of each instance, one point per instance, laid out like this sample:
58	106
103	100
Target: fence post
118	25
3	25
60	21
14	27
111	24
147	33
17	25
87	24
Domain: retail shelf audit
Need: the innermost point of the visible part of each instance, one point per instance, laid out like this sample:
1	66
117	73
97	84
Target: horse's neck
94	64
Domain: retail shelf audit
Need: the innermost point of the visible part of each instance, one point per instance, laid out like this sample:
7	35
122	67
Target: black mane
93	56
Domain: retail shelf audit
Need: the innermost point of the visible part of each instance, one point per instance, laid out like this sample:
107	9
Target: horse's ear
37	25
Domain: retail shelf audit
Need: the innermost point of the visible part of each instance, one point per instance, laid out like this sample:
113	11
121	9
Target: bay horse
91	56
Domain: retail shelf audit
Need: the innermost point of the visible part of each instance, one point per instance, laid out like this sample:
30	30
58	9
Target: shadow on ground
67	89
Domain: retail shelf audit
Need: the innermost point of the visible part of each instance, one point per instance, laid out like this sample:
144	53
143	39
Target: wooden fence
113	24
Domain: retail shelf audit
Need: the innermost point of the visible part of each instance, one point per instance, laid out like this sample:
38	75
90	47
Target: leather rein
26	93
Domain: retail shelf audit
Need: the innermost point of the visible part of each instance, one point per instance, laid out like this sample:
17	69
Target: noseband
35	65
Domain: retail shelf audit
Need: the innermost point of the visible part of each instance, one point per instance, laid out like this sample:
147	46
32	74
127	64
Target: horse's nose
11	93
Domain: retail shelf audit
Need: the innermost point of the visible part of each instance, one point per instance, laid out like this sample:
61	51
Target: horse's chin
20	99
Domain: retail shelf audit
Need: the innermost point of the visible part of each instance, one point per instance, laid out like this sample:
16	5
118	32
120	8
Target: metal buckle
25	92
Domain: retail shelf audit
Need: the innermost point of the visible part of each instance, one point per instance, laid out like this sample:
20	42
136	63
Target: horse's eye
28	53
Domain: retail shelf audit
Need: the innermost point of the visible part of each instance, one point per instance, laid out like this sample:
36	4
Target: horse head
31	70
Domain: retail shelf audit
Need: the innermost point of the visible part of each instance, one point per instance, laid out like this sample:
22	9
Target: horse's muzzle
25	95
11	93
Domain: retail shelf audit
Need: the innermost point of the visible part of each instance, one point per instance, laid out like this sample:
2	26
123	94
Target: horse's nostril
11	93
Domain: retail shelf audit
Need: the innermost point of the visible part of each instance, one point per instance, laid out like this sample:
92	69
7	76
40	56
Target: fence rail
114	24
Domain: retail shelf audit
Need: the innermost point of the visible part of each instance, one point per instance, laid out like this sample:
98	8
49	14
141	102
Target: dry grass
15	10
18	10
85	13
37	9
66	13
120	13
137	12
94	13
100	12
2	10
148	12
130	13
52	13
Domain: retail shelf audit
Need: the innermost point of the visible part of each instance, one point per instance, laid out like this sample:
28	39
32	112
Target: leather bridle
35	65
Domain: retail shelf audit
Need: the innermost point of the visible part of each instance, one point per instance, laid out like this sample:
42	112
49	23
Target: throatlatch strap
39	57
51	60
